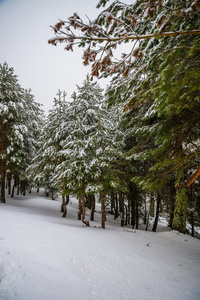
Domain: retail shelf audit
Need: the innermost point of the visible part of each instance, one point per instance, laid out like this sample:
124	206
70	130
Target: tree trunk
63	199
116	207
79	208
65	206
88	201
2	166
92	207
147	224
157	213
133	194
23	187
13	191
17	182
121	201
180	211
9	177
83	208
112	197
103	215
145	211
29	189
3	181
83	211
129	211
152	206
132	199
172	198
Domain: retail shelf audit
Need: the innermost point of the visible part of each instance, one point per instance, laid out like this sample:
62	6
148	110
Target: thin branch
193	177
175	167
140	70
139	37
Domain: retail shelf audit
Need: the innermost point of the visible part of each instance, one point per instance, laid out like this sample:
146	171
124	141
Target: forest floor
45	256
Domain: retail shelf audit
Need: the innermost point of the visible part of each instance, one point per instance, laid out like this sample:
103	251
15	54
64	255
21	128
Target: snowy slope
44	256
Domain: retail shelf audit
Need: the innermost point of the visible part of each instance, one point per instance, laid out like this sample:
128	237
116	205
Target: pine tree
24	151
159	75
49	144
16	139
86	149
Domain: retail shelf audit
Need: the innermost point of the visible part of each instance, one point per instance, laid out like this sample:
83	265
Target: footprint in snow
10	269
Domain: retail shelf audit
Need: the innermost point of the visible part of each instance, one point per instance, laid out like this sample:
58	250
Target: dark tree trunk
121	201
23	187
83	212
29	189
64	205
13	191
134	202
145	211
112	196
63	200
92	207
79	209
2	165
63	208
132	199
129	210
152	206
147	224
116	207
88	201
157	212
3	181
9	178
38	187
14	186
18	187
172	202
103	214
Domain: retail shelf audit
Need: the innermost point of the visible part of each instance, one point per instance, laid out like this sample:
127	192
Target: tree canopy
139	23
156	78
19	125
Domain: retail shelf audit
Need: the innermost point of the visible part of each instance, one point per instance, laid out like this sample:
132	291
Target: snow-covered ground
44	256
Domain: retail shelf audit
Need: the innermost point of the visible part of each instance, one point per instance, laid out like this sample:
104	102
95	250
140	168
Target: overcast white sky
24	32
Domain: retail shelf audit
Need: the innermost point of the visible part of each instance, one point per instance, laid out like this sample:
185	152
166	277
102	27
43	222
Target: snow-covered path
44	256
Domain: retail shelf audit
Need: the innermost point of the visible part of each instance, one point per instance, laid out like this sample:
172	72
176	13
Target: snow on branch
118	24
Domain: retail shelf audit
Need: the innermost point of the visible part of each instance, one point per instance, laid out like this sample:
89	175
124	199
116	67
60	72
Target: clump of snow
45	256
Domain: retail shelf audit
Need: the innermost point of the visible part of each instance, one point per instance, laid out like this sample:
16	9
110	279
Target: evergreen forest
133	147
